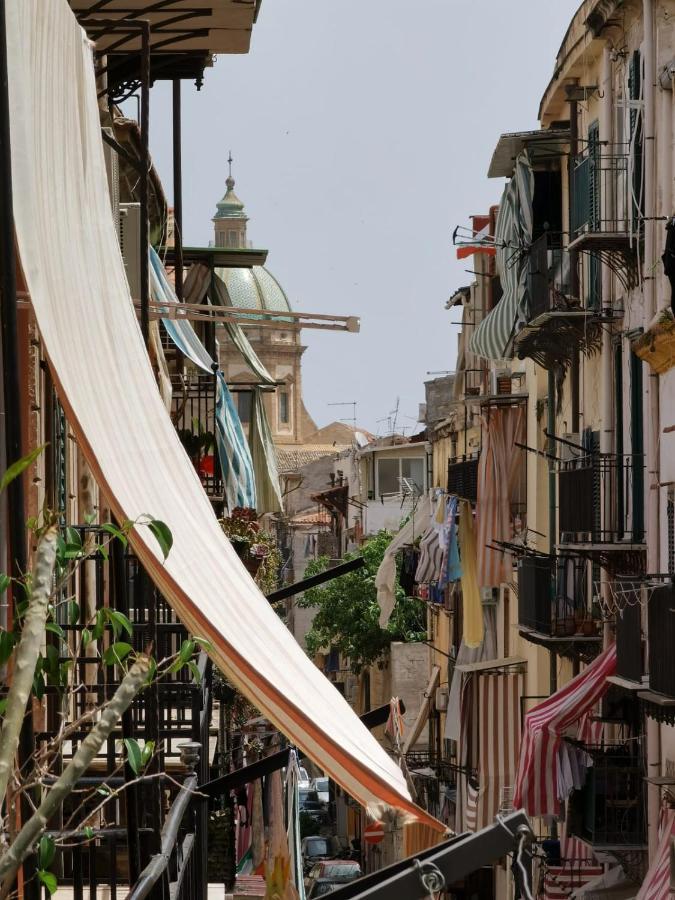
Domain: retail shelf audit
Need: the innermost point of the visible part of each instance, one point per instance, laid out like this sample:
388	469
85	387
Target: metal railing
173	872
549	277
600	191
194	417
112	578
553	596
463	477
609	810
601	498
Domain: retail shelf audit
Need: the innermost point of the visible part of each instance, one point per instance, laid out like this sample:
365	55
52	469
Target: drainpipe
652	391
607	212
552	519
574	269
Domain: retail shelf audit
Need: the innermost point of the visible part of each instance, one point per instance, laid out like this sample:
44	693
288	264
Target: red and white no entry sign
374	833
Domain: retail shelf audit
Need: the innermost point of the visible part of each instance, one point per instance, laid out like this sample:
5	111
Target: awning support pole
16	525
177	190
453	860
144	182
290	590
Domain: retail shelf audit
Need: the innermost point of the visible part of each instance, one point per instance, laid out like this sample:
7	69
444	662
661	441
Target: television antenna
351	403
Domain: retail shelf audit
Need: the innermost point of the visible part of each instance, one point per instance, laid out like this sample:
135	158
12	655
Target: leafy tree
348	613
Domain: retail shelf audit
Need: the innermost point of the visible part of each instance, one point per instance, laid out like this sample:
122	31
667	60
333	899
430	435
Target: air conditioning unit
112	167
130	239
441	699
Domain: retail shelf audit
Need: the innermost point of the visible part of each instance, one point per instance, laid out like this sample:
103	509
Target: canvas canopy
75	275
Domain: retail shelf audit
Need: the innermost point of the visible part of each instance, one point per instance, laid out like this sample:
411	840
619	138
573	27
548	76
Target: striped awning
657	880
494	336
537	779
491	707
561	881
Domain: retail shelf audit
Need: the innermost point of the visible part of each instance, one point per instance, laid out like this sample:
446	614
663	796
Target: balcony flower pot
589	628
570	626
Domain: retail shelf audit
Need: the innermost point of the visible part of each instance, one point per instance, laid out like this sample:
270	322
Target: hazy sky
361	132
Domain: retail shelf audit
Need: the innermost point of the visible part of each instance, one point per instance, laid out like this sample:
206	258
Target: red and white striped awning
490	736
537	778
561	881
656	885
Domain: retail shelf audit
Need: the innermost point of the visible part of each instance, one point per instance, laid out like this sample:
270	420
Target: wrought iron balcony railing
553	597
463	477
194	417
600	196
549	278
609	811
601	499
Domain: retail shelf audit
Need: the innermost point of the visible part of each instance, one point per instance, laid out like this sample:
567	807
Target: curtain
499	471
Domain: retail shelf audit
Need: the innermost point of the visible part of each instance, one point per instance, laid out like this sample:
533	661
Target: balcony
604	219
194	417
608	812
553	608
558	322
601	509
463	477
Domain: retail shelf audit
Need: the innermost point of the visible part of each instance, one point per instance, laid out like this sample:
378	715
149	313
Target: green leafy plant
347	611
257	549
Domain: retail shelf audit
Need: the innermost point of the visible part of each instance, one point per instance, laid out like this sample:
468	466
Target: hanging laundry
430	559
406	577
471	603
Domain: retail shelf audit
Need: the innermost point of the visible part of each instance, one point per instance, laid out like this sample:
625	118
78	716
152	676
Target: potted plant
197	442
257	549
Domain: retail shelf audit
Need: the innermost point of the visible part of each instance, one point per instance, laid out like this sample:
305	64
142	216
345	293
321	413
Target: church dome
255	288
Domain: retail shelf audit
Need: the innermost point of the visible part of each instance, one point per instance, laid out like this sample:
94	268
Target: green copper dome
254	288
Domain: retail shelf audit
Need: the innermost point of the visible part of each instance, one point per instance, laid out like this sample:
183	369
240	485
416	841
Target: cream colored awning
75	276
179	26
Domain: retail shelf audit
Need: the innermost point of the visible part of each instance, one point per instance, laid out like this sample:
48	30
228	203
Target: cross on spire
229	163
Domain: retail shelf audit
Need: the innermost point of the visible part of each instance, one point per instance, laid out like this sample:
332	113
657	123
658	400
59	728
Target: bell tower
230	219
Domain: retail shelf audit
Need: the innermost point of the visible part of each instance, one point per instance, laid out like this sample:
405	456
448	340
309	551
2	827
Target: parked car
322	788
316	810
315	848
342	870
303	779
323	886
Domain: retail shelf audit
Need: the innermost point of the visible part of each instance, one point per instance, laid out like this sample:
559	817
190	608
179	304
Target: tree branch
26	655
131	684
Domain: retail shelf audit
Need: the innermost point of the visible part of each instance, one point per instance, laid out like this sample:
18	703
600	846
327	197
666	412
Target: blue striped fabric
233	450
493	339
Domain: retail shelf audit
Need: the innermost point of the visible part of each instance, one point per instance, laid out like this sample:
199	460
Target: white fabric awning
75	276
